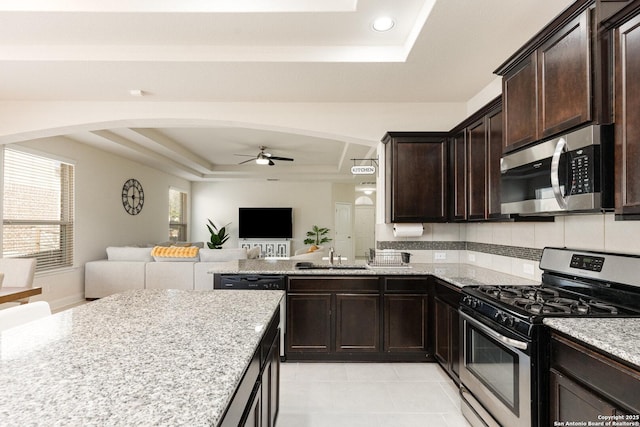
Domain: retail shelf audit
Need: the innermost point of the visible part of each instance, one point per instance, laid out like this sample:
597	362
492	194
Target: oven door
495	375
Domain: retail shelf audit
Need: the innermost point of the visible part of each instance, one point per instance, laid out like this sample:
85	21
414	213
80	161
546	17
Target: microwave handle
555	173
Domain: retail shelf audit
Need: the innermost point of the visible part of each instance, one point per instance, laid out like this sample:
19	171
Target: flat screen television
265	223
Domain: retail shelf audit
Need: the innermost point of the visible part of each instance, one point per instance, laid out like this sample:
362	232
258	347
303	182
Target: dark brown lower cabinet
585	385
446	325
357	322
405	323
572	402
331	318
257	398
270	385
309	322
358	318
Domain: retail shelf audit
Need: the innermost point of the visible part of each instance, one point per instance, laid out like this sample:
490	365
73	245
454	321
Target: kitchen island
146	357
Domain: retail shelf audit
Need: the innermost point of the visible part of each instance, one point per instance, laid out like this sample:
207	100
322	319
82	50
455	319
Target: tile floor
367	395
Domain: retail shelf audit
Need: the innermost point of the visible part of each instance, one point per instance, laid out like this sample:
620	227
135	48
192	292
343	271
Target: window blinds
38	215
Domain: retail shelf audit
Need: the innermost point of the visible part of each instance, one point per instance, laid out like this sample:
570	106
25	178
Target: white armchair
15	316
18	272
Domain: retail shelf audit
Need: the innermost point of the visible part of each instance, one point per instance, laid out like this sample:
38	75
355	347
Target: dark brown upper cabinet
547	85
477	173
415	177
627	117
458	162
495	135
475	151
520	101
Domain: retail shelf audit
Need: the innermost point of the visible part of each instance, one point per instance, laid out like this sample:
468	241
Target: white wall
364	123
101	220
219	201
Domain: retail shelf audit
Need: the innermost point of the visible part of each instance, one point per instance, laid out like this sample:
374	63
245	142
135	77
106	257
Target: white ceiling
254	51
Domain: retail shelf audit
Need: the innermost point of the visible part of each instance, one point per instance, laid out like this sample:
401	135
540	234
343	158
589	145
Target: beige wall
219	201
101	220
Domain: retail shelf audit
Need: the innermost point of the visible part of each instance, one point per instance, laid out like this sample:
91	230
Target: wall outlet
527	269
472	257
440	256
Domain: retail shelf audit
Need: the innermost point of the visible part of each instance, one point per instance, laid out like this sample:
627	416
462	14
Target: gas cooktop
540	300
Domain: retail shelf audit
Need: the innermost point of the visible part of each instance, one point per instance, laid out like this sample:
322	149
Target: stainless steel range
505	347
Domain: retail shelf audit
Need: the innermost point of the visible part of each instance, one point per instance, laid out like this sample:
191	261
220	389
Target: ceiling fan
264	158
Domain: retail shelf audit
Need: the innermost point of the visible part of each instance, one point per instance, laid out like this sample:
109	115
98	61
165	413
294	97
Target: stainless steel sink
311	266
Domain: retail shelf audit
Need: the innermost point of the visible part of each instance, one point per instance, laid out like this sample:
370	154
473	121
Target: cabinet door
477	164
271	385
454	343
571	402
357	323
309	323
442	328
494	153
405	323
459	176
565	78
416	179
252	416
627	125
520	103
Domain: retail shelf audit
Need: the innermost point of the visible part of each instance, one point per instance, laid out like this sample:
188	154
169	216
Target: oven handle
487	330
555	173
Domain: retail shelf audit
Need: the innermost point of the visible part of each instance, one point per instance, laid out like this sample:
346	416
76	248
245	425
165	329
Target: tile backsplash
514	247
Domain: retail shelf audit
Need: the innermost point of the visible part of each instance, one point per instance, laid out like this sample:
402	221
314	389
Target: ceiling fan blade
287	159
271	162
247	161
245	155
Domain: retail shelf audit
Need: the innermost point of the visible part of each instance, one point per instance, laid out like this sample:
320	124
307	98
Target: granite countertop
617	337
456	274
145	357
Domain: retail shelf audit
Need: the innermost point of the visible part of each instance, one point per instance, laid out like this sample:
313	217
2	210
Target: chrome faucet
331	251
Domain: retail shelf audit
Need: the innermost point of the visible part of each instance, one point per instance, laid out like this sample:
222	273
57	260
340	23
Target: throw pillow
175	253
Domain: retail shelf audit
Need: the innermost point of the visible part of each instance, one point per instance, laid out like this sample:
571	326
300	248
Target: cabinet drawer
406	284
334	284
611	379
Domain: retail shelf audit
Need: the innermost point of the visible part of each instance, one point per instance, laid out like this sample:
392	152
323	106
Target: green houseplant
218	236
317	236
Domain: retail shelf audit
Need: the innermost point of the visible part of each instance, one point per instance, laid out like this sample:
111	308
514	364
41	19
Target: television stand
269	248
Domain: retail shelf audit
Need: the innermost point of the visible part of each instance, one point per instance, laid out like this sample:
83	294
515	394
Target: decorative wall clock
132	196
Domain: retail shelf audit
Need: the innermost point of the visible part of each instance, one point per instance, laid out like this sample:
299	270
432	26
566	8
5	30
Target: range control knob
510	321
470	301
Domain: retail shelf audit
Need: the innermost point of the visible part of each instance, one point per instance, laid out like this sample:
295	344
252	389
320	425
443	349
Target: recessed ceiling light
384	23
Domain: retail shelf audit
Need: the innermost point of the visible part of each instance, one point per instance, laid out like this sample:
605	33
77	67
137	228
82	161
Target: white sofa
134	268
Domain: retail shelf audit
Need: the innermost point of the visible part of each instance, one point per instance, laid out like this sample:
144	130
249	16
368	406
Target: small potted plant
218	236
317	236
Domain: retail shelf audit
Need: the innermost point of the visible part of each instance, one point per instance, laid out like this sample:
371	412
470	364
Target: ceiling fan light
262	160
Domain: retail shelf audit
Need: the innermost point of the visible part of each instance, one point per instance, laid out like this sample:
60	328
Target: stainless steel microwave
570	173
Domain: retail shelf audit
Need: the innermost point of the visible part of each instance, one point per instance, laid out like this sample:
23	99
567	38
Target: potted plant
317	236
218	236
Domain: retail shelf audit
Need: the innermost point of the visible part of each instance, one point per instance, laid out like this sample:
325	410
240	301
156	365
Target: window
38	203
177	215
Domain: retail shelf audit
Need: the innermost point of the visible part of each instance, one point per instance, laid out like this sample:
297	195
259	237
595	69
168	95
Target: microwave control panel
581	173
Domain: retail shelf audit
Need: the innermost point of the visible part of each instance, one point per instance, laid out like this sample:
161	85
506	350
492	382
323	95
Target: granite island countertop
144	357
617	337
454	273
